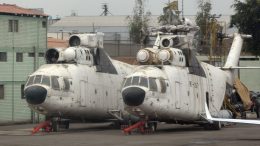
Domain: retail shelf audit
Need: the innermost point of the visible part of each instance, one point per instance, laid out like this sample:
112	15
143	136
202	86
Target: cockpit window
55	83
135	81
38	79
128	82
67	84
140	81
163	85
46	80
143	82
30	81
153	85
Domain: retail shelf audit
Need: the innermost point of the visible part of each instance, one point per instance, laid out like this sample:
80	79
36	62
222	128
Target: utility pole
105	8
182	7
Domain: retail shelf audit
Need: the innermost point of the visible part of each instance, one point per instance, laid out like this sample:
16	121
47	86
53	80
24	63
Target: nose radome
35	95
133	96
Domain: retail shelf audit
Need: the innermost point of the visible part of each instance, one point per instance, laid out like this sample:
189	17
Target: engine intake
87	40
52	55
169	42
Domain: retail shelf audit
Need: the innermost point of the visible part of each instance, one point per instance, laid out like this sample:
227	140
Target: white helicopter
79	82
172	86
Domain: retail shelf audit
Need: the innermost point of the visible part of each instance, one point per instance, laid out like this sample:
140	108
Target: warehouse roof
113	21
16	10
108	21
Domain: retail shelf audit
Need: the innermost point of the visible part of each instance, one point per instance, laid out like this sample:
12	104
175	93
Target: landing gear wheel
213	126
67	125
55	125
217	126
153	126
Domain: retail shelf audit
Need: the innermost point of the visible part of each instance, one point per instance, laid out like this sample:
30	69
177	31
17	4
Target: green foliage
247	20
139	23
203	16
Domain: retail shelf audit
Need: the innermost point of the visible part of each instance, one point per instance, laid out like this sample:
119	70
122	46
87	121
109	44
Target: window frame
163	85
13	25
22	91
3	56
32	82
127	79
134	81
66	84
49	80
52	83
31	54
153	79
44	24
145	79
2	91
19	57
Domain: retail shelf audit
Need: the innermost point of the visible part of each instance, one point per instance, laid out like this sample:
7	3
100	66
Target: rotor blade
209	117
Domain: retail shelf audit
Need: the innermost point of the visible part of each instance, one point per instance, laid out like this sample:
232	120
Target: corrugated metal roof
77	21
14	9
116	23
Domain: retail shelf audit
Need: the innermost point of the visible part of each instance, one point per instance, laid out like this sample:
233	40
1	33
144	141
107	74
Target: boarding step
117	114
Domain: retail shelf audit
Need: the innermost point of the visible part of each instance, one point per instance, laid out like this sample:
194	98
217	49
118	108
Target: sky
63	8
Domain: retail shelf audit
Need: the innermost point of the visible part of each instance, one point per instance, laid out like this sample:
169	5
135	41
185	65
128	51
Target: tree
247	20
170	14
139	23
202	16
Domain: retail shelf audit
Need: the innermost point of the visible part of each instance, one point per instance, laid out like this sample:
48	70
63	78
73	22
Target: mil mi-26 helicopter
79	82
172	86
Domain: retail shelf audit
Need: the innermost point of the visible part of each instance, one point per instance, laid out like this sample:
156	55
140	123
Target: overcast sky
116	7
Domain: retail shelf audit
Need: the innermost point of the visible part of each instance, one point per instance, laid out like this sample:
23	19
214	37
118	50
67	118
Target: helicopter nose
35	95
133	96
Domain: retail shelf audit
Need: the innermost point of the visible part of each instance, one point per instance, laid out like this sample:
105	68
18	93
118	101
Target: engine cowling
172	56
147	56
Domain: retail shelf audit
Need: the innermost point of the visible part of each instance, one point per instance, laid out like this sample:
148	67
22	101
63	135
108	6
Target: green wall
251	77
31	38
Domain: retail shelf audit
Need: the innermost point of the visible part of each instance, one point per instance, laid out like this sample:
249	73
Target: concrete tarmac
104	135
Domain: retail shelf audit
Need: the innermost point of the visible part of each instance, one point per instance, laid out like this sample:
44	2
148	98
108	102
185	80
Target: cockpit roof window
128	82
30	81
143	82
46	80
38	79
135	81
153	85
55	83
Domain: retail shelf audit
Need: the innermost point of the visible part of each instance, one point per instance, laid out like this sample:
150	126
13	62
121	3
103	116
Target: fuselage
76	90
174	93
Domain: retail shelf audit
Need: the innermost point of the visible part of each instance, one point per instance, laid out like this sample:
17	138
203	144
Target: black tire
217	126
152	126
213	126
67	125
55	126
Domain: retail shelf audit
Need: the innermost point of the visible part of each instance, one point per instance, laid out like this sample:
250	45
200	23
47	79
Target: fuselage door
177	95
83	93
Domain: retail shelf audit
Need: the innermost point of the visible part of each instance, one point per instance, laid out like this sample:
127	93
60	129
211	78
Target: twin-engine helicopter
172	86
79	82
